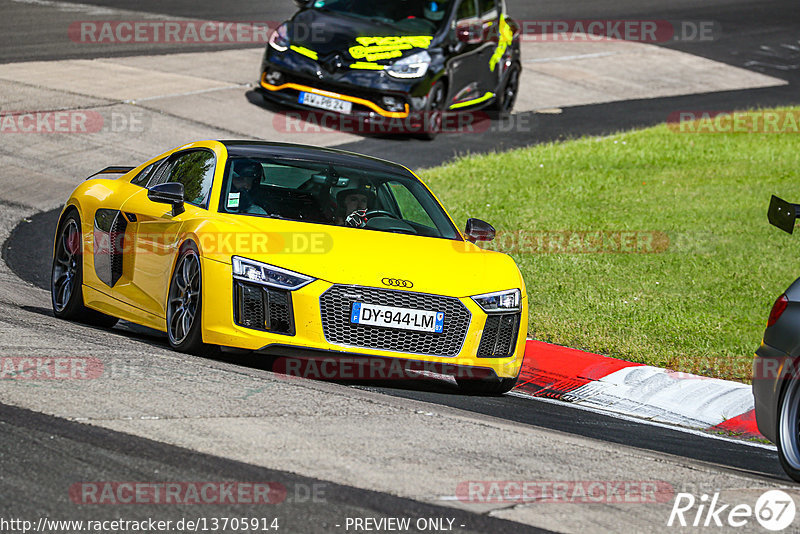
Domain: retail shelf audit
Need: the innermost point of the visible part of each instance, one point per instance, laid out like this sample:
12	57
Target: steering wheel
383	213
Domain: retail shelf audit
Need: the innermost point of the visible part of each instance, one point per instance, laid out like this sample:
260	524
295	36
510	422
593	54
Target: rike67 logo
774	510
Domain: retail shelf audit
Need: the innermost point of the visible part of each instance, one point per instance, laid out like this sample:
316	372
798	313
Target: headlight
414	66
499	301
279	40
268	275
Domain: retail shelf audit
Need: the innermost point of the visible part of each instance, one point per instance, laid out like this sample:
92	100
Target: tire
507	97
66	278
434	109
185	304
495	386
788	441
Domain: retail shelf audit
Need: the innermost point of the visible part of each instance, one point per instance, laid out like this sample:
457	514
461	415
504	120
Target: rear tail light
777	310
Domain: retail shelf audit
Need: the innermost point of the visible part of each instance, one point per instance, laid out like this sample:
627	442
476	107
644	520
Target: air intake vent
499	336
263	308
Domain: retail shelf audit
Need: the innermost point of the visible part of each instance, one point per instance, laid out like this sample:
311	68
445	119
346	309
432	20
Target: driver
246	177
352	205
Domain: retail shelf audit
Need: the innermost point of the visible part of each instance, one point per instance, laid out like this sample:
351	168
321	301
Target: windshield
411	15
321	193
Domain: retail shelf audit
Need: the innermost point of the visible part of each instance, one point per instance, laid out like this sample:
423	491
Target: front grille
336	303
263	308
499	336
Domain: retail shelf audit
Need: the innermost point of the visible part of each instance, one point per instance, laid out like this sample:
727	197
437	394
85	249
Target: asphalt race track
375	450
26	252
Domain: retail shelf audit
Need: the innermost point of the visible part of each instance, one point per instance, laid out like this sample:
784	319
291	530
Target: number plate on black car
325	102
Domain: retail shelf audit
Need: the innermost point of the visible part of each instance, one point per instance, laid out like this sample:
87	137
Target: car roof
265	149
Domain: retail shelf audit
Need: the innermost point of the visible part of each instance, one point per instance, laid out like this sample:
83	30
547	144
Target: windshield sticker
377	48
367	66
305	51
233	200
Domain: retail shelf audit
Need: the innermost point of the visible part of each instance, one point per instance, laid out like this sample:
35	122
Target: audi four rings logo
394	282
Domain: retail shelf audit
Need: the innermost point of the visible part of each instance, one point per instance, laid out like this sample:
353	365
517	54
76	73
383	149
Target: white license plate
402	318
325	102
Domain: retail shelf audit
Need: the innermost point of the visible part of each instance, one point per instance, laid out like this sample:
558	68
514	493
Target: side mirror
478	230
300	3
168	193
469	32
782	214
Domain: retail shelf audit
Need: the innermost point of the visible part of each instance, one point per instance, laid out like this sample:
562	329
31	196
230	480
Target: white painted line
88	9
570	58
640	420
189	93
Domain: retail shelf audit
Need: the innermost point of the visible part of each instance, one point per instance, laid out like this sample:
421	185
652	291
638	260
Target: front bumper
308	331
288	94
365	89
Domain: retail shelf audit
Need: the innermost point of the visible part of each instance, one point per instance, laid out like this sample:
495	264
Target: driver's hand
357	219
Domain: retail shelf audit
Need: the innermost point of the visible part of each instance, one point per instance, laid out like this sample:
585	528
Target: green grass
699	306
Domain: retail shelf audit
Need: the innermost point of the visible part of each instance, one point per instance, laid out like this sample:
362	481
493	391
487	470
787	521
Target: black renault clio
394	58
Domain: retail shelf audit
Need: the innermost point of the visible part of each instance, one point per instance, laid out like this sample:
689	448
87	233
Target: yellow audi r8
290	251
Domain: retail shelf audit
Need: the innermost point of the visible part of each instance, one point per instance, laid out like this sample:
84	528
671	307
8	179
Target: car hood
329	34
363	257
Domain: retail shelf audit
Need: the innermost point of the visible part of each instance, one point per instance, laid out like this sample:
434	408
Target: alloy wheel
184	298
65	268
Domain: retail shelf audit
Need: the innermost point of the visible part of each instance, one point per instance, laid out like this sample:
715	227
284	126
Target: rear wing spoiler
114	169
783	214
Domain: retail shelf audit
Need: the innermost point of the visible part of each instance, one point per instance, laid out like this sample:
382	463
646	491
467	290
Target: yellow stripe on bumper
372	105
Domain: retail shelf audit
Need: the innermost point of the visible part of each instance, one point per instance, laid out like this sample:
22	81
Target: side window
195	170
467	10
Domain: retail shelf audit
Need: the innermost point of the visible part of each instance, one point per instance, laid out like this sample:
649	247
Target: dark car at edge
776	368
